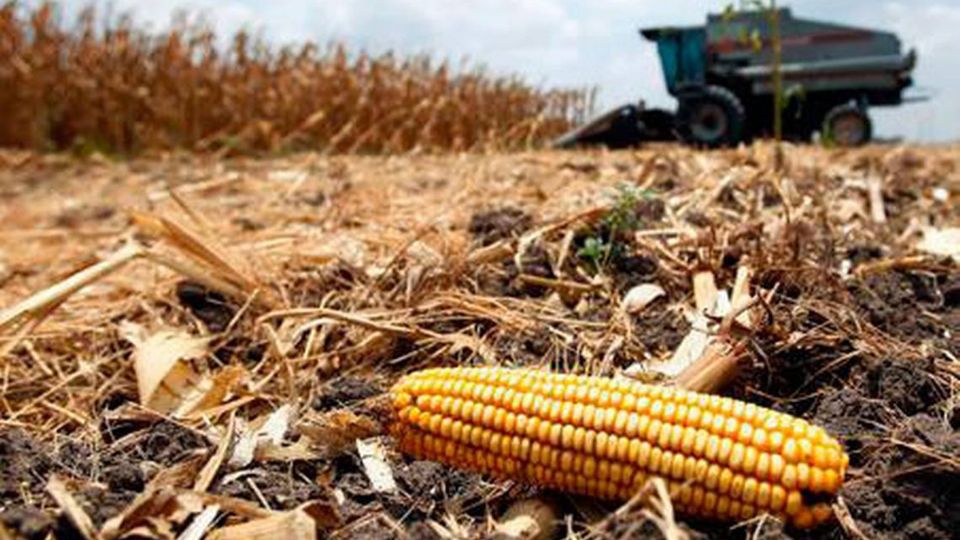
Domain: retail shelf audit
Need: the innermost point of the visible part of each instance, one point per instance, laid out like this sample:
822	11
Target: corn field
116	88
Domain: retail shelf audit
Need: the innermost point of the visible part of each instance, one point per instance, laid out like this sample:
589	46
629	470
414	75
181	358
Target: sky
579	43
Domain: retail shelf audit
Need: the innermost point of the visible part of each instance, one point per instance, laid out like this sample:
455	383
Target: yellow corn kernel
721	457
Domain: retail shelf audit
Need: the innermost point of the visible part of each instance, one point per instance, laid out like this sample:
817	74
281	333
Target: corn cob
721	458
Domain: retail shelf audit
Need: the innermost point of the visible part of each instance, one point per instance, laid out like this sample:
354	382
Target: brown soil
111	476
499	224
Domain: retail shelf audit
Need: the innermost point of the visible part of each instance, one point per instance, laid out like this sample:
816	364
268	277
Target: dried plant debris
208	357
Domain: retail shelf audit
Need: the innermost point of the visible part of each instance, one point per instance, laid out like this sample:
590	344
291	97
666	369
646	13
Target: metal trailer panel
802	40
869	73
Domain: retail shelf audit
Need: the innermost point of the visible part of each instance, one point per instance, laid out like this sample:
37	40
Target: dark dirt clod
425	487
282	485
102	503
25	464
209	306
241	349
357	487
28	521
900	304
167	443
422	477
847	413
951	291
113	475
631	270
498	224
346	391
637	267
660	330
119	473
905	384
863	253
125	477
115	399
527	349
505	281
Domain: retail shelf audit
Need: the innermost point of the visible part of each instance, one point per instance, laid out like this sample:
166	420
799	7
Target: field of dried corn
114	88
194	346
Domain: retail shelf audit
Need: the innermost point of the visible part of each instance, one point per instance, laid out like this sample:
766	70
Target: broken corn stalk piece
721	458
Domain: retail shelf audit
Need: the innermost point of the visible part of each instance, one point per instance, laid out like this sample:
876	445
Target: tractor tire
847	125
712	117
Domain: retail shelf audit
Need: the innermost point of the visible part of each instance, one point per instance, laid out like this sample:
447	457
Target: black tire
847	125
711	117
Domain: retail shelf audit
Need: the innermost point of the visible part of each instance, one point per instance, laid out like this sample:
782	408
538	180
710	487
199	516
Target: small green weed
608	239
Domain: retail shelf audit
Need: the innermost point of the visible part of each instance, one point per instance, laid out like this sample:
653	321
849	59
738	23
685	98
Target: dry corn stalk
123	89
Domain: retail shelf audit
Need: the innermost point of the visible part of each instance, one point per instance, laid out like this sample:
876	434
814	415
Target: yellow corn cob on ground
720	457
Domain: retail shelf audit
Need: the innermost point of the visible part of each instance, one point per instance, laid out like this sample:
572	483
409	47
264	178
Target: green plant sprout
607	239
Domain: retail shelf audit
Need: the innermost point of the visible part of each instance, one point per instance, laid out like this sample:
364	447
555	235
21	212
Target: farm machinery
722	76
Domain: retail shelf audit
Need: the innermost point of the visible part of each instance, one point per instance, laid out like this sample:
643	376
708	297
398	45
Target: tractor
722	76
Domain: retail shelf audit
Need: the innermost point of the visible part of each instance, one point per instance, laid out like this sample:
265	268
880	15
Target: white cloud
932	29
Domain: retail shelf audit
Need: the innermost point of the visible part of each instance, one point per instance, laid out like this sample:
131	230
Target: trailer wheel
711	117
847	125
